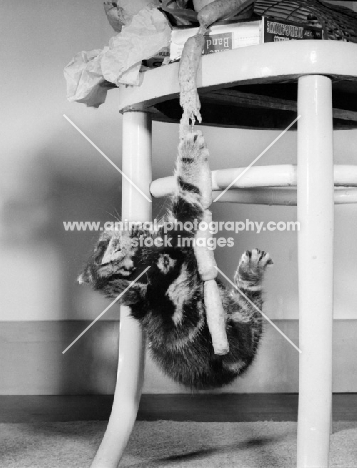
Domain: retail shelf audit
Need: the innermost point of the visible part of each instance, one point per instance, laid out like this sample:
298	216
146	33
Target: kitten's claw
255	258
252	265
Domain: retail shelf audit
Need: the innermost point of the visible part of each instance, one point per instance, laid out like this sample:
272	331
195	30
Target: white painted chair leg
137	166
315	258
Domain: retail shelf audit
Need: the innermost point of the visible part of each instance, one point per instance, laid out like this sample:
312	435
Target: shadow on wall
42	303
90	365
44	308
91	192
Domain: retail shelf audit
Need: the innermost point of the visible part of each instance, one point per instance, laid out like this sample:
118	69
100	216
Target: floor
198	407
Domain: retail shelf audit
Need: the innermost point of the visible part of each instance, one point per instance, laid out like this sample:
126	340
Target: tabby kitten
168	303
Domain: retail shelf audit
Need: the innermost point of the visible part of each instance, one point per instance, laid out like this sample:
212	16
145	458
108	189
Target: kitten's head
114	255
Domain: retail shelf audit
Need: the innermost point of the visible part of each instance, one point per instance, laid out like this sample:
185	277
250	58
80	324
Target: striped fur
169	301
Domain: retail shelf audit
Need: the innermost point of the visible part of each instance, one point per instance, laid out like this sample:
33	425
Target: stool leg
137	166
315	258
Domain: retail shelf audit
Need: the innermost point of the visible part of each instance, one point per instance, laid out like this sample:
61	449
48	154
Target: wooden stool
318	69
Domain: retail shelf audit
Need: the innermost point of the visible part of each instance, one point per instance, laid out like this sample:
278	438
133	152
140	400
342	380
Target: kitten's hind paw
193	148
251	267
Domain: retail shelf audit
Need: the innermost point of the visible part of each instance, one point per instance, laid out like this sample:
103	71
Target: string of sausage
191	105
191	56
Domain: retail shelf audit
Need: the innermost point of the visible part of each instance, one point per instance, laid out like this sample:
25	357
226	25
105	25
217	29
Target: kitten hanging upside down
168	299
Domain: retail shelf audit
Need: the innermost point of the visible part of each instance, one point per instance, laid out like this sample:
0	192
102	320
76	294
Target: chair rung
256	178
279	196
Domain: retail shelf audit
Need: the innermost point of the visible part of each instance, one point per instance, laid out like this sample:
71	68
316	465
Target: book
233	35
277	30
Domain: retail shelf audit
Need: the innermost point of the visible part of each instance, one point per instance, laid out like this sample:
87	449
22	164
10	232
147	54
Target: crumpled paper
88	72
147	34
84	77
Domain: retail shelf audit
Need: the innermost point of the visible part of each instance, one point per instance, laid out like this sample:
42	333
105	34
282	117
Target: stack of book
228	36
232	35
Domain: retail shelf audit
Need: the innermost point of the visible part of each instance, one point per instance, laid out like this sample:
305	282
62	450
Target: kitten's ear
120	246
86	277
100	247
113	251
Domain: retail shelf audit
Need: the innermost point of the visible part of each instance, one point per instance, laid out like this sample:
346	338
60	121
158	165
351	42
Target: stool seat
253	87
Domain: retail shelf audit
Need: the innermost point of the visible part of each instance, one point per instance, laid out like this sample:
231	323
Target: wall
50	174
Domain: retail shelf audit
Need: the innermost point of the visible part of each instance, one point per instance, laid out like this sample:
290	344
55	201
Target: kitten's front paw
252	265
